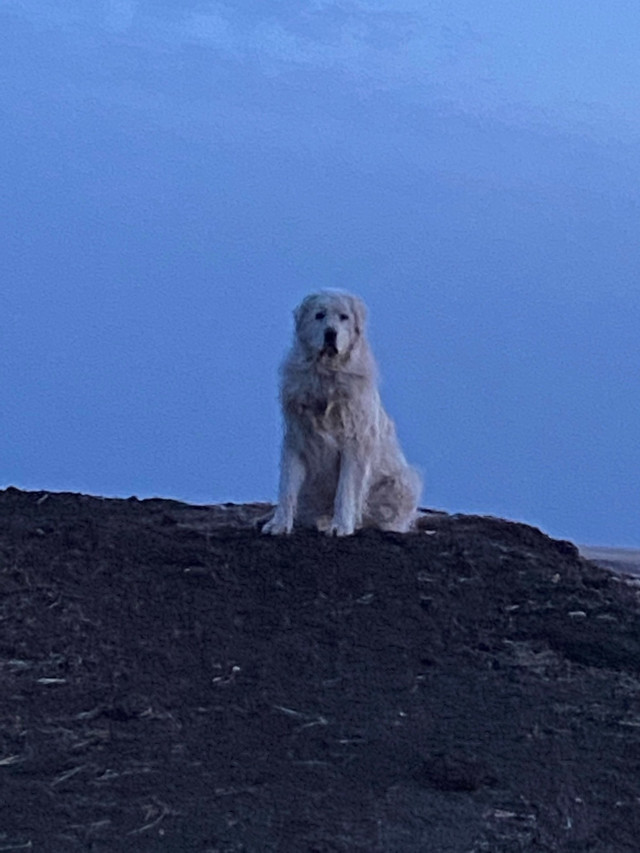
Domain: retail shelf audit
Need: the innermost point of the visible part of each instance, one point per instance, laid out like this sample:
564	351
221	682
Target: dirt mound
173	681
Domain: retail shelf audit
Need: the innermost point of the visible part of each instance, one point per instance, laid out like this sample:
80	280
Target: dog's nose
330	336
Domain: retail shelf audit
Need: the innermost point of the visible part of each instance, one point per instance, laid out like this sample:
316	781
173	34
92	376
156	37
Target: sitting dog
341	467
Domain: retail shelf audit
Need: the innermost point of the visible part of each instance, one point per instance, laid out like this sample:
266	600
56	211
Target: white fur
341	467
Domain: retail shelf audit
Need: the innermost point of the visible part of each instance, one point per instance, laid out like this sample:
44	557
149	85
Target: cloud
445	55
364	41
120	14
317	35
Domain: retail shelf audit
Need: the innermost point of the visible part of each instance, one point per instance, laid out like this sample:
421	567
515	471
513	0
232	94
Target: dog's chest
325	408
324	415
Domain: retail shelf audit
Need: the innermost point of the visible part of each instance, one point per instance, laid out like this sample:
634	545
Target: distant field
625	560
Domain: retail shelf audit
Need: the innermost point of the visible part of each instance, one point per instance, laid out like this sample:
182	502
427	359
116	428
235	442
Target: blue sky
176	176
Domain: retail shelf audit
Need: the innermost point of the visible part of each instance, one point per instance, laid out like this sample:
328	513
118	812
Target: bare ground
173	681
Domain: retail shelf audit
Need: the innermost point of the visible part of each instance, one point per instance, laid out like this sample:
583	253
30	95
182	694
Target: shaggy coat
341	467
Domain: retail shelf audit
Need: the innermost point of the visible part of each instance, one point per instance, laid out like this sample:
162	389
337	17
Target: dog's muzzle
330	343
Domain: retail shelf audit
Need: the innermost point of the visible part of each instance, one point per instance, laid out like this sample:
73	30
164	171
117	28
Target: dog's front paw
278	525
340	528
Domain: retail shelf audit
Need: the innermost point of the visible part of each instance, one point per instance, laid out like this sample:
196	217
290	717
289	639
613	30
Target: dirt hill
174	681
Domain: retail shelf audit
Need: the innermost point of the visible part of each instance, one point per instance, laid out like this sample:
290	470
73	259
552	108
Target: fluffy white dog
342	467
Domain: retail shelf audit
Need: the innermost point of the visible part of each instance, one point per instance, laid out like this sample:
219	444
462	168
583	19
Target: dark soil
174	681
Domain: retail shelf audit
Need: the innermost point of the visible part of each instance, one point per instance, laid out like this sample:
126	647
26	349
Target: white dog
342	467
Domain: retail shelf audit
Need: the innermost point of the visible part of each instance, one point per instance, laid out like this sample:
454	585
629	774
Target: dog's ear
300	312
359	310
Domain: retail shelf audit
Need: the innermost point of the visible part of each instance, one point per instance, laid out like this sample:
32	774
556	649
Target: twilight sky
175	176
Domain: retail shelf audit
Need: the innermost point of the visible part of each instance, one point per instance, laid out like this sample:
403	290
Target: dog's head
330	324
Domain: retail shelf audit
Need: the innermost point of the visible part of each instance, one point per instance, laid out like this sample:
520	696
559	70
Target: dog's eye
344	317
320	315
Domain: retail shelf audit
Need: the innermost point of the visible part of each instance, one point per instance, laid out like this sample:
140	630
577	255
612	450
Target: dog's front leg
349	500
292	474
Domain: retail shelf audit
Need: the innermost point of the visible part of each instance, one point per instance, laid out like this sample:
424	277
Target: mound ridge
174	681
